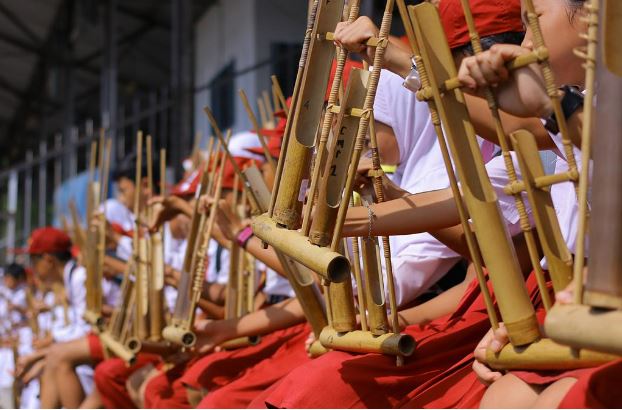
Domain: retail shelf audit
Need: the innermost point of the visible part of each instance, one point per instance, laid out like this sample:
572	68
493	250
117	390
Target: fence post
11	211
43	176
26	227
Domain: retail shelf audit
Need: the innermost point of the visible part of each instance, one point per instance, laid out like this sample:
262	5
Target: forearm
268	256
424	212
211	309
280	316
442	305
397	60
484	124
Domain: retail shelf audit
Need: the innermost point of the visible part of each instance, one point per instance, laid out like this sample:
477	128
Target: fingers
484	374
500	339
354	36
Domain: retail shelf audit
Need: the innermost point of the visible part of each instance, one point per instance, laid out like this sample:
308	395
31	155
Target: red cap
491	17
281	113
350	64
188	186
229	172
275	139
48	240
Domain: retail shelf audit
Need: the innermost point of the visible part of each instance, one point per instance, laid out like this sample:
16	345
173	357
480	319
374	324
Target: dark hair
64	256
574	6
16	271
127	169
509	37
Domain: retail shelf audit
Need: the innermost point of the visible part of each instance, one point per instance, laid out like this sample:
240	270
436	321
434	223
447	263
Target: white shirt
117	213
418	260
75	288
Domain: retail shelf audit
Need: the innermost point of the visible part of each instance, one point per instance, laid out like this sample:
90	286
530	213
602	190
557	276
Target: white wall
242	30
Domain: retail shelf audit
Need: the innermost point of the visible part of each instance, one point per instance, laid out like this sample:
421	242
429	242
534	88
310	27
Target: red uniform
344	380
240	393
95	347
111	377
596	388
213	371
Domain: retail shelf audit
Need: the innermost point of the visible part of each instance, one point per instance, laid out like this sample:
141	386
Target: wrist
243	236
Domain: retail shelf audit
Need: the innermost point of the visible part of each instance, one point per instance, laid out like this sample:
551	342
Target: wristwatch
571	101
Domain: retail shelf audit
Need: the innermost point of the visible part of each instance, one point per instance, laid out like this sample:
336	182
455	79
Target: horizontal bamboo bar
582	326
364	342
545	354
181	336
317	349
162	348
94	319
117	348
322	260
240	342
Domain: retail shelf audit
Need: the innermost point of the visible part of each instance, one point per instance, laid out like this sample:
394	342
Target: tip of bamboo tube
406	345
338	270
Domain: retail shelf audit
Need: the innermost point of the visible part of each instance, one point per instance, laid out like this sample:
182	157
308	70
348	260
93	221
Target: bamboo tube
545	354
474	252
490	230
365	342
142	290
233	284
612	10
327	122
528	233
337	165
306	115
117	348
557	254
374	287
356	265
589	54
368	107
288	128
585	327
322	260
262	112
241	342
300	278
603	287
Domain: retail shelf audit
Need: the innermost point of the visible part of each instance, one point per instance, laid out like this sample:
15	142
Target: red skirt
345	380
241	392
598	387
95	347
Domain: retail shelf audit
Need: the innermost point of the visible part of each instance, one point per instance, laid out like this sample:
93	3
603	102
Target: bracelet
244	236
371	215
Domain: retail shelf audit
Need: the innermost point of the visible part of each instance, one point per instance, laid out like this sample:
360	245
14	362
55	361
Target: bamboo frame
594	319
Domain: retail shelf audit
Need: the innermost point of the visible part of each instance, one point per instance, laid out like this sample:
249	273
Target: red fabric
119	229
188	186
48	240
281	113
211	371
275	139
457	387
166	391
372	380
228	177
491	17
350	64
95	347
111	376
597	388
218	369
241	392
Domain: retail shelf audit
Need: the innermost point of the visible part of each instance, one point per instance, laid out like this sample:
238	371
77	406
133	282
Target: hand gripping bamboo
300	278
491	233
593	320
